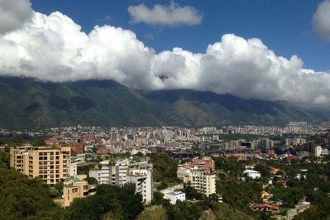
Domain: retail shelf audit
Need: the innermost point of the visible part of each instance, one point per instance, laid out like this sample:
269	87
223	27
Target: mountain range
28	103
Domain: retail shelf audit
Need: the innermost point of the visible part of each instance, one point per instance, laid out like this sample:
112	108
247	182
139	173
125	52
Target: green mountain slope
28	103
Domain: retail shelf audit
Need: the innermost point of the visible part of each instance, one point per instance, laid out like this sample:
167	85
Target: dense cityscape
170	165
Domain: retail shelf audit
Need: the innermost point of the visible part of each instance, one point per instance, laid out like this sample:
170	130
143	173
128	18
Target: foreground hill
28	103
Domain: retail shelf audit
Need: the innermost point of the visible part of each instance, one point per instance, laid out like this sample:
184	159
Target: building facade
102	173
121	171
252	173
317	151
198	174
141	175
73	169
124	171
76	187
52	164
175	196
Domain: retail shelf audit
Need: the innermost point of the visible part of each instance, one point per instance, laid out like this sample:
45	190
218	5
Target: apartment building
73	169
52	164
111	172
141	175
121	171
125	171
198	174
102	173
206	163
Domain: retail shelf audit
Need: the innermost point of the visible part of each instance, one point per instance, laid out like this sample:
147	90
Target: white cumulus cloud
171	15
13	14
321	20
53	48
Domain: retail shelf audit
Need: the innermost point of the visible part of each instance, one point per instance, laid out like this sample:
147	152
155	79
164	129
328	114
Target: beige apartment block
202	181
198	174
51	164
76	187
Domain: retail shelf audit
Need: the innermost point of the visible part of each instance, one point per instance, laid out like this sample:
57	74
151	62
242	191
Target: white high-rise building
317	151
141	175
73	169
102	175
123	171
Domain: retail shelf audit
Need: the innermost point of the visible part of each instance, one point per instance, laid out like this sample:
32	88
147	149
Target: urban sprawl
117	156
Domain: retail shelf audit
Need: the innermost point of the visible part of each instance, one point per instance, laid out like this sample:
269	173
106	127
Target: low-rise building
76	187
265	207
252	174
175	196
325	152
174	193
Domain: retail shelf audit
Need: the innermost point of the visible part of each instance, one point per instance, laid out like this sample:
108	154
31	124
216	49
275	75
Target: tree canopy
22	198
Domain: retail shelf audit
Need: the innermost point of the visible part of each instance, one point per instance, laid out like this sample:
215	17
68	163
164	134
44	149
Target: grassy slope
225	212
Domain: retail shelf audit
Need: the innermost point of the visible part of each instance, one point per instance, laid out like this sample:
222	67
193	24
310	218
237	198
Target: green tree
191	193
22	198
164	169
4	159
109	200
162	185
91	180
185	210
264	170
39	142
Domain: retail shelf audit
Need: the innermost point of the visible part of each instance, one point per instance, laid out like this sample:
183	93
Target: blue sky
285	26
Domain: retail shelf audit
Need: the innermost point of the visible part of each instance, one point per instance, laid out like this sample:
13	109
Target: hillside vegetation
28	103
23	198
